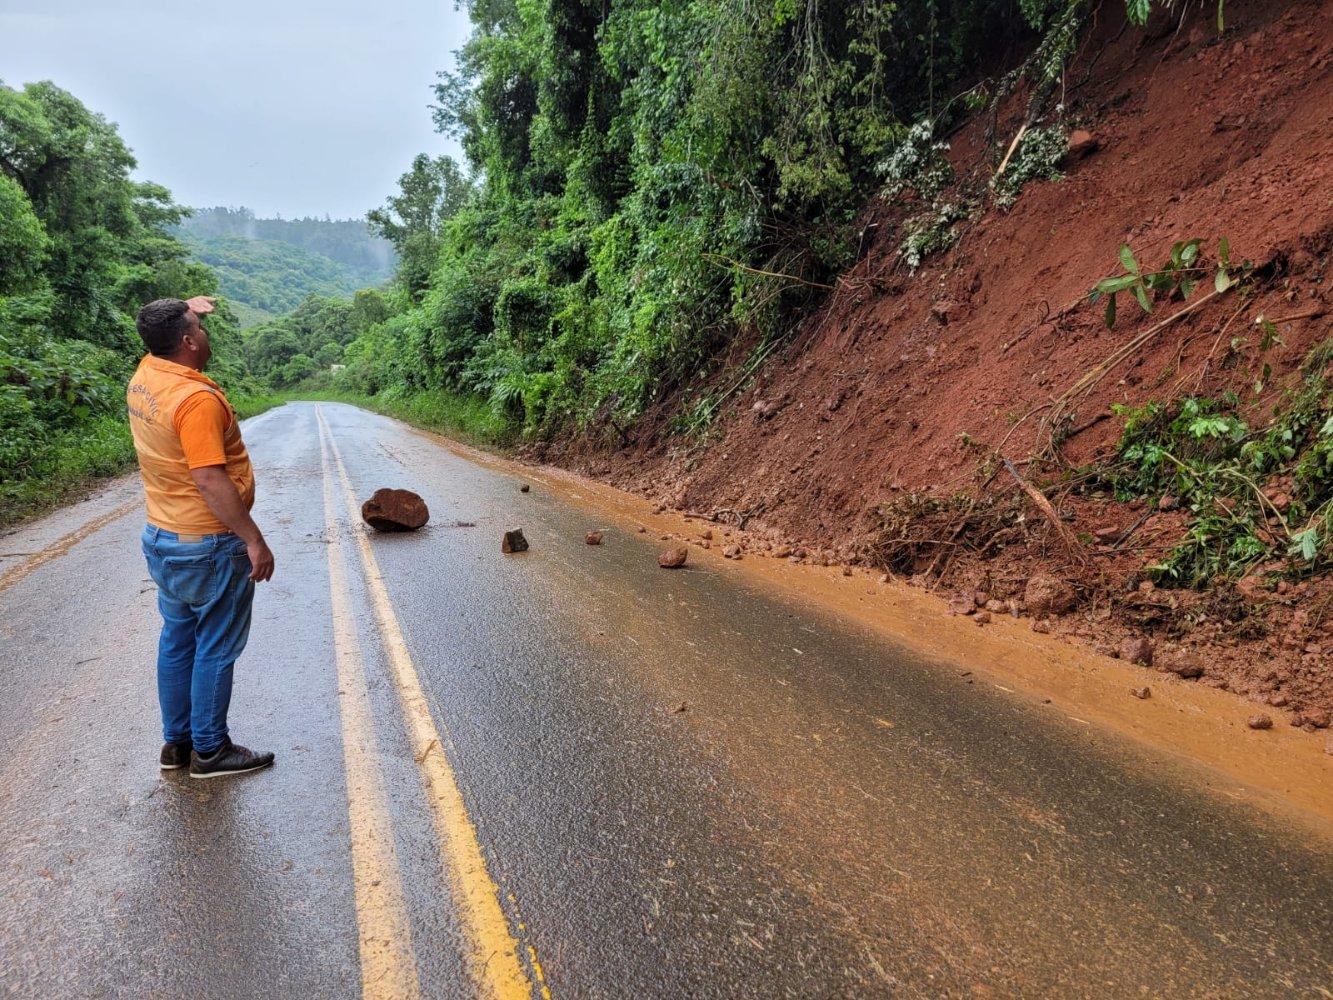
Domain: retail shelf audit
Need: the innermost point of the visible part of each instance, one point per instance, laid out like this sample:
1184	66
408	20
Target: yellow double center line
493	952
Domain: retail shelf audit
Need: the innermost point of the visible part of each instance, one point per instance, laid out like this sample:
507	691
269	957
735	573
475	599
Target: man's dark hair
162	323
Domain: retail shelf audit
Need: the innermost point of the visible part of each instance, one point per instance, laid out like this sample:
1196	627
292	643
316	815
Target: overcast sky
290	106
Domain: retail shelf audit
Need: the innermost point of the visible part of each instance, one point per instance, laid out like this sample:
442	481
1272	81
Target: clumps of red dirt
875	437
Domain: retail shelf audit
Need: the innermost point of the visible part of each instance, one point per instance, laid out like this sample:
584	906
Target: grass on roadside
77	459
465	418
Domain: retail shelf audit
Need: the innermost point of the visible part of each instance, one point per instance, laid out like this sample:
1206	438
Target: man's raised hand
201	305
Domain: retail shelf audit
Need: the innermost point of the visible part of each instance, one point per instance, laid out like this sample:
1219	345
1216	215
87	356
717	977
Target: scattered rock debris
962	604
674	557
1184	665
1082	143
1048	595
1136	649
514	541
395	510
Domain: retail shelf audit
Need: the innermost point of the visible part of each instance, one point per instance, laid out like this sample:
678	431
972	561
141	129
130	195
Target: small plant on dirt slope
1257	495
920	164
1175	279
1037	157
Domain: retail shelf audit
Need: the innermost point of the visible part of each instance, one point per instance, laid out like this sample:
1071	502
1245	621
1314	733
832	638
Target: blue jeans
204	592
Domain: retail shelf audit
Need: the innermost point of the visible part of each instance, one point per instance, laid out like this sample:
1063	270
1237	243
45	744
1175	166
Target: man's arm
220	494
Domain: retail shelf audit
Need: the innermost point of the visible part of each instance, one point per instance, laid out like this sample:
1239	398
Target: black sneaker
174	755
227	759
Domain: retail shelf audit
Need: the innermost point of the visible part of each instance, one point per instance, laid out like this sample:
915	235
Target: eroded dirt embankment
906	389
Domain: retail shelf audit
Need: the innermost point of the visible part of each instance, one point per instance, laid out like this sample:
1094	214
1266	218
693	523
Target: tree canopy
653	179
82	246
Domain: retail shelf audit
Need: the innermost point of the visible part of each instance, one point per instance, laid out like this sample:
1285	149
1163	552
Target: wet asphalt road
827	817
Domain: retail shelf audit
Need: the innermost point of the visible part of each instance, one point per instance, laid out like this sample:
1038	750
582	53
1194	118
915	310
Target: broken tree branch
1044	505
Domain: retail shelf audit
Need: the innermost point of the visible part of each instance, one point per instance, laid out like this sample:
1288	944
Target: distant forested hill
269	266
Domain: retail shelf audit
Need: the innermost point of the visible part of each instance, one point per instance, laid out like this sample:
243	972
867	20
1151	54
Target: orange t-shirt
201	421
181	421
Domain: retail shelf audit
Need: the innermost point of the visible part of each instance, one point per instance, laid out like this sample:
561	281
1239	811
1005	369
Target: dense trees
655	176
269	266
368	259
82	246
266	278
288	350
428	196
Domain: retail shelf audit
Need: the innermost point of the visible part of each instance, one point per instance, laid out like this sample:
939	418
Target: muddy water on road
1283	770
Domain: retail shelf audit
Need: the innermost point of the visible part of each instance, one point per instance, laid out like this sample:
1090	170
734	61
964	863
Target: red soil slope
904	382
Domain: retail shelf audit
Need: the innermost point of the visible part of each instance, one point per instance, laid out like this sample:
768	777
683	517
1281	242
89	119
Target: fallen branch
721	261
1012	146
1311	314
1133	528
1044	505
958	528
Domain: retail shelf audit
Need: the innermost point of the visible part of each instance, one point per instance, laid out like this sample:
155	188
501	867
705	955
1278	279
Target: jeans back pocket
189	579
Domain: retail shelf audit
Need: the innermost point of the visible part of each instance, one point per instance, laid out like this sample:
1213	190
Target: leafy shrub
1254	495
1037	157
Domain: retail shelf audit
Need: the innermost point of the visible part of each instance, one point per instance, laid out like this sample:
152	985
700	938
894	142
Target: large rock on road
395	510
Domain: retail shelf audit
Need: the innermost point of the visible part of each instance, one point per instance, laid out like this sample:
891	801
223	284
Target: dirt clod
525	488
395	510
593	538
1082	143
962	604
1316	718
1142	693
1136	649
674	557
1260	721
981	617
514	541
1048	595
1184	665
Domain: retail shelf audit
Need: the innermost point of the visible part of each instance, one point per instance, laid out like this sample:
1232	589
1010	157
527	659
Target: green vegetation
1257	496
267	267
1037	157
650	181
1176	279
367	259
266	278
82	246
301	346
464	418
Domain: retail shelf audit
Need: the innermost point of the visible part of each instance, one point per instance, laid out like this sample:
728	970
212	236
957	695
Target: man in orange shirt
204	550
